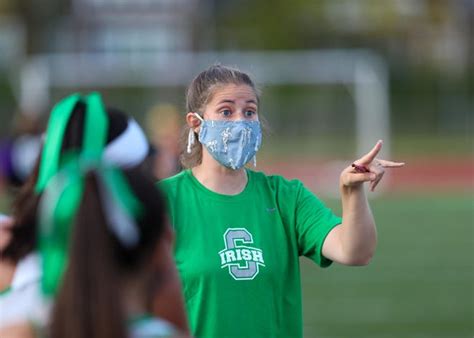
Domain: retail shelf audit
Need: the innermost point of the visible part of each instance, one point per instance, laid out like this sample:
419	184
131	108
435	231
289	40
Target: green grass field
419	284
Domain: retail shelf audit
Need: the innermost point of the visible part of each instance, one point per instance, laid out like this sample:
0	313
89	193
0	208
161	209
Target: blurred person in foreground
114	225
164	126
18	155
119	253
240	233
77	125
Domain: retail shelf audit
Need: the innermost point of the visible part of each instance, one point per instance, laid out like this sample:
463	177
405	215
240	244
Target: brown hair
90	300
199	93
26	202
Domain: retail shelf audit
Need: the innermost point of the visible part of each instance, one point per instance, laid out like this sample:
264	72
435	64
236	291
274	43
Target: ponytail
89	302
104	250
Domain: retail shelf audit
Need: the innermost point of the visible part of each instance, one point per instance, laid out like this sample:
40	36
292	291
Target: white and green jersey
23	300
238	256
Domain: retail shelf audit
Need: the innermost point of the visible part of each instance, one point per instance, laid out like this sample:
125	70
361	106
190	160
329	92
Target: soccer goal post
363	71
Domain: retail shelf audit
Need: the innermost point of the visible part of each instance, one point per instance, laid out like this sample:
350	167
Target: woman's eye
226	112
249	113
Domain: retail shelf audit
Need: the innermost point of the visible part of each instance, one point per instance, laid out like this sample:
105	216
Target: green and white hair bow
63	191
58	209
96	125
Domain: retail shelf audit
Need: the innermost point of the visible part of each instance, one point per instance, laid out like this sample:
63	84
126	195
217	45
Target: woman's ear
193	121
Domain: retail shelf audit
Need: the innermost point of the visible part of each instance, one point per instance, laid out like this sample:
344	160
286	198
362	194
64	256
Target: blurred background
336	76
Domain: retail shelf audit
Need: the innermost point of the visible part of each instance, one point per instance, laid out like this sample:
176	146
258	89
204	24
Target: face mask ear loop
257	144
191	136
199	117
191	140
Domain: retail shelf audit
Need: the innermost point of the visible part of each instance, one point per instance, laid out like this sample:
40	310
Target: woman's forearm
358	235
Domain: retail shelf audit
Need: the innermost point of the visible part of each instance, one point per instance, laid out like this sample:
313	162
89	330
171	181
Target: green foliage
267	25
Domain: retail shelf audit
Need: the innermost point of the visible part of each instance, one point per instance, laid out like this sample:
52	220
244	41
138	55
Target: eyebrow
233	102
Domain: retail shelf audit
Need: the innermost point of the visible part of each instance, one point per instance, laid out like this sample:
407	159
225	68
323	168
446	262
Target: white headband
129	148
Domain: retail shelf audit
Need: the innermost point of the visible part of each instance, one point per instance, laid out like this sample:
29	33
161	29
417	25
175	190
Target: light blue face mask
232	143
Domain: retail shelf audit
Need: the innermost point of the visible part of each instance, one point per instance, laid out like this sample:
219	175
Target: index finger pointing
390	164
369	157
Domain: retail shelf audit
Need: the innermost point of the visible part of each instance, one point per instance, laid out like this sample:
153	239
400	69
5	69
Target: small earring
255	161
191	140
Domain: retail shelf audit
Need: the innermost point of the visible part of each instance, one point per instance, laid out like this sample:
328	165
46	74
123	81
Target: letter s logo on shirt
243	261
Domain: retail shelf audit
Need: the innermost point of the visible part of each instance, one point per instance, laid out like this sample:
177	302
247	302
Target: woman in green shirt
239	233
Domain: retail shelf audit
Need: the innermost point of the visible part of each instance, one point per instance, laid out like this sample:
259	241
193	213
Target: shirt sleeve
314	221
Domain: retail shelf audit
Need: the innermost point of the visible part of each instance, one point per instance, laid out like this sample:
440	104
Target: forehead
232	92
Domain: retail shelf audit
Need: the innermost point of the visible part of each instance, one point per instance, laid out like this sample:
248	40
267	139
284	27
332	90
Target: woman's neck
220	179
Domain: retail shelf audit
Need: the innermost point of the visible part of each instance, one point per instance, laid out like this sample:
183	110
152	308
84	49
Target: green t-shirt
238	256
